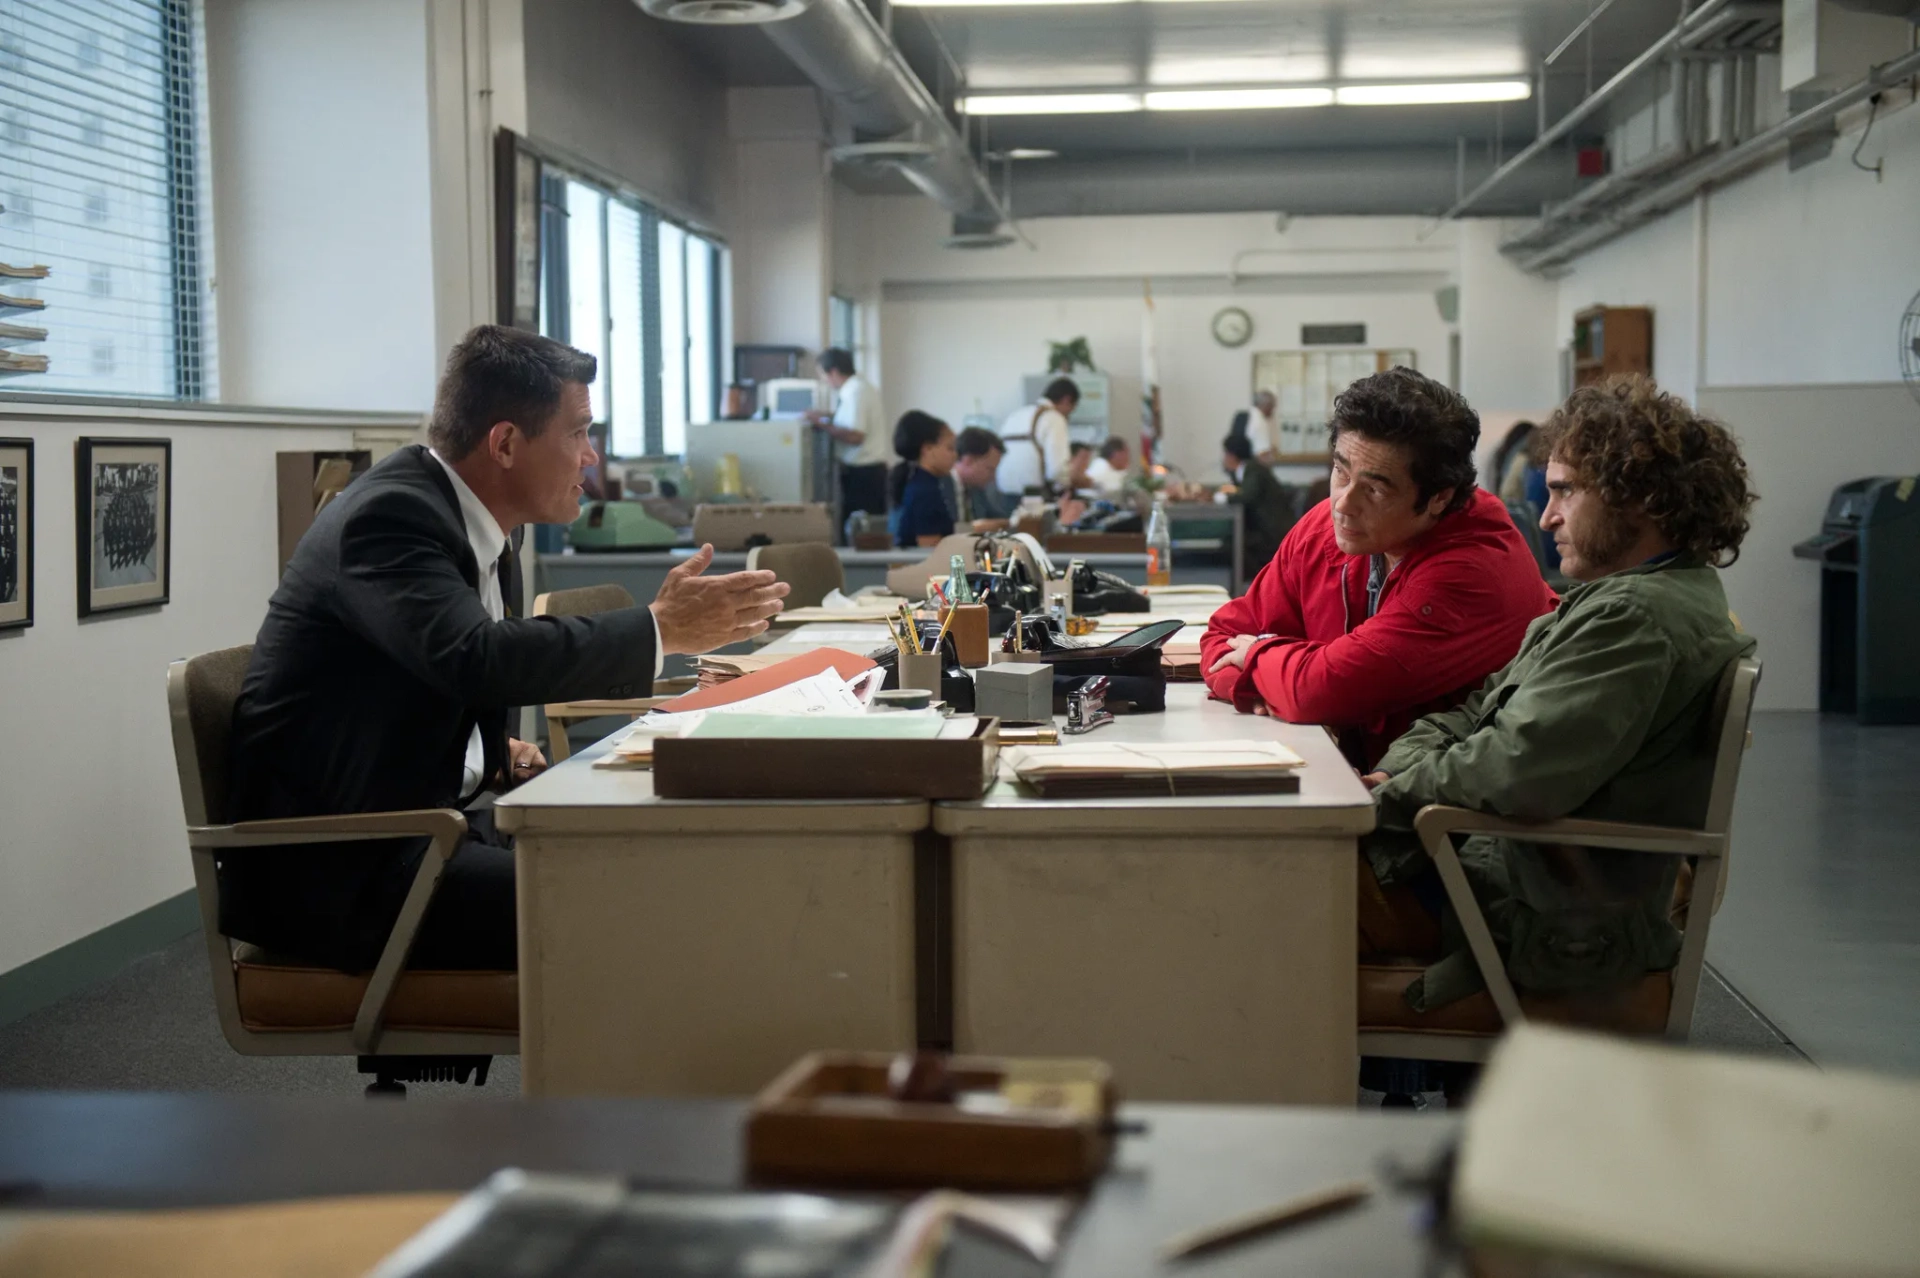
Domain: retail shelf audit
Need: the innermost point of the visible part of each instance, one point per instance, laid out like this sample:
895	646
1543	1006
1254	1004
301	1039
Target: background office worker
383	675
918	486
1038	440
856	427
978	497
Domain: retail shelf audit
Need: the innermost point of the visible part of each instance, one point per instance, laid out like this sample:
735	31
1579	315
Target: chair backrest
1731	713
582	601
811	568
201	692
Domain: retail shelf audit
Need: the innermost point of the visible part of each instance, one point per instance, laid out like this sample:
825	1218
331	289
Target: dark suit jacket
375	662
1270	513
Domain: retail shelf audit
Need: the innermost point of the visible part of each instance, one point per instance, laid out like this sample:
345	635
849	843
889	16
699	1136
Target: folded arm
1569	727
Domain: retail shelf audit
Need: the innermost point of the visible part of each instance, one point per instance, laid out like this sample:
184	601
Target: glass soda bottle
1159	546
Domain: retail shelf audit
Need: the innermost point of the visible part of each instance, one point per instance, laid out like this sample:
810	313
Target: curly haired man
1600	715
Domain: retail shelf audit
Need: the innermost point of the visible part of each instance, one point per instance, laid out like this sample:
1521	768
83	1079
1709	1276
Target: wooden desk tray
826	768
829	1120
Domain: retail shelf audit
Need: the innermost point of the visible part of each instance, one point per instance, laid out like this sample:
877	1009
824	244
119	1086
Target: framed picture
16	533
123	508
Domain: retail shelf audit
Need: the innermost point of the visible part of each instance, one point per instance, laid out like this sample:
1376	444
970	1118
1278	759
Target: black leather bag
1131	662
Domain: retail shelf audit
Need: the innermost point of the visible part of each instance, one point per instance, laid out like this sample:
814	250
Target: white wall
959	328
1655	266
1777	304
324	275
93	827
782	230
1508	328
603	82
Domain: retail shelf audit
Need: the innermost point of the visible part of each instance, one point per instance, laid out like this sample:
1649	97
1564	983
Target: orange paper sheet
803	666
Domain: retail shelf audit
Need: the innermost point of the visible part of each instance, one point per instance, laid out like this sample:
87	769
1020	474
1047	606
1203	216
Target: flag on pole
1149	385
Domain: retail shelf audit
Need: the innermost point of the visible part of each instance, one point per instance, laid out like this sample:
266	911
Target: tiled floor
1820	928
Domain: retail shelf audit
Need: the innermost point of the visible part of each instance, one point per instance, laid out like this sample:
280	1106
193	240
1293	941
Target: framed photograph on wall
123	515
16	533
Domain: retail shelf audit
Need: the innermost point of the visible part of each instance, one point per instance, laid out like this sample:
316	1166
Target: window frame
177	151
556	268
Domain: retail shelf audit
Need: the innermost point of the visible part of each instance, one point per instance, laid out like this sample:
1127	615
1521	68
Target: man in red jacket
1396	596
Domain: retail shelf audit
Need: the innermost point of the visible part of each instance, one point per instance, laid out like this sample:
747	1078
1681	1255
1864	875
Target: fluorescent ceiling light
1433	94
1024	153
1236	99
1050	104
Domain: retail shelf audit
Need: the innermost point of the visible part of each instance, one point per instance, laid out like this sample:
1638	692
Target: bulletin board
1304	383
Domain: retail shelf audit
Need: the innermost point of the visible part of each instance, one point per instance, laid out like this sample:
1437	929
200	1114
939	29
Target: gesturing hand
699	614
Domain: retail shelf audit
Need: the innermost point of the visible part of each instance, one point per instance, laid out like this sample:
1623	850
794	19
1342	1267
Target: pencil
1306	1207
940	642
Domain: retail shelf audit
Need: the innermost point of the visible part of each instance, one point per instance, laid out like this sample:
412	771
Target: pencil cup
921	670
968	630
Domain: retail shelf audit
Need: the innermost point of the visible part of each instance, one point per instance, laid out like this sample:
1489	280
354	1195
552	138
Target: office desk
642	571
1194	1166
679	947
1203	946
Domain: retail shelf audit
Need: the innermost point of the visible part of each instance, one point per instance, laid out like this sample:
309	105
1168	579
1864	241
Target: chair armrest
440	824
443	827
1441	819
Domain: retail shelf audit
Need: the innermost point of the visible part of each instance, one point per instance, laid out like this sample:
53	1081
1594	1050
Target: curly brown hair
1641	448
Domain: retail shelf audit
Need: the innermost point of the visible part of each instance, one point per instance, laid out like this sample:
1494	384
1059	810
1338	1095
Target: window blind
99	182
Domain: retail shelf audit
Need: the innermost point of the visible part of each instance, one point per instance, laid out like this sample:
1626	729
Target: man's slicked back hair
500	374
1435	425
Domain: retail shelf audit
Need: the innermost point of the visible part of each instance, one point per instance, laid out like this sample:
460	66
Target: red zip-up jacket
1452	612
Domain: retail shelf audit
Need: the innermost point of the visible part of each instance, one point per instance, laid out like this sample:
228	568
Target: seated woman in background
917	488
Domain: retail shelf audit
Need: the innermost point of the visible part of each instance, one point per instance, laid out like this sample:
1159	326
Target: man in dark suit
1270	512
384	673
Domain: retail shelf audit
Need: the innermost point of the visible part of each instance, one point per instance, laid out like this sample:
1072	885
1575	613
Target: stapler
1087	706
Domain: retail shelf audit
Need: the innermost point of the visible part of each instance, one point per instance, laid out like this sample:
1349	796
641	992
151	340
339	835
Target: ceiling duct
838	45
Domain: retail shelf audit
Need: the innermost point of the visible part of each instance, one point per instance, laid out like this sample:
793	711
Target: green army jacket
1603	715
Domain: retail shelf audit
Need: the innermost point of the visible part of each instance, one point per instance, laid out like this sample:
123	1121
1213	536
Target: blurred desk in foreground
1195	1166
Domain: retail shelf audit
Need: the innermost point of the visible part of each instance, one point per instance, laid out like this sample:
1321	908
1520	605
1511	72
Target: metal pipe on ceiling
840	47
1589	104
1726	163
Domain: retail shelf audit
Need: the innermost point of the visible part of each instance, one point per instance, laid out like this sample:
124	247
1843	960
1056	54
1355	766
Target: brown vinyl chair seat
1641	1008
279	995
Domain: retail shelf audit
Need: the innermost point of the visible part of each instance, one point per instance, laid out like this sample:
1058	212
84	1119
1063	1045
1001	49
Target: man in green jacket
1601	715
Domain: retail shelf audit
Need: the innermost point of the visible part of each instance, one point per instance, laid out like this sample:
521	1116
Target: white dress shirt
858	408
1021	467
1104	477
488	543
1262	433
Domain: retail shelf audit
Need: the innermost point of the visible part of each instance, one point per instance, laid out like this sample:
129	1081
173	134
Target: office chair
1661	1003
585	601
404	1026
811	568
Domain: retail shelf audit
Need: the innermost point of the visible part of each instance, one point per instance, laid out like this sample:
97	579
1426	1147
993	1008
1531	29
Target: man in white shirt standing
856	425
1263	432
1038	441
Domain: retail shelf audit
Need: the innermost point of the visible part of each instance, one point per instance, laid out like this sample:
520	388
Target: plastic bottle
1159	546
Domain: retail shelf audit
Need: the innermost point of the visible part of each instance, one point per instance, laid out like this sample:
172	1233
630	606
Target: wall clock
1232	326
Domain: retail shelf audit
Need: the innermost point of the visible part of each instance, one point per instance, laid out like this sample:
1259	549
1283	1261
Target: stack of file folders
1121	770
